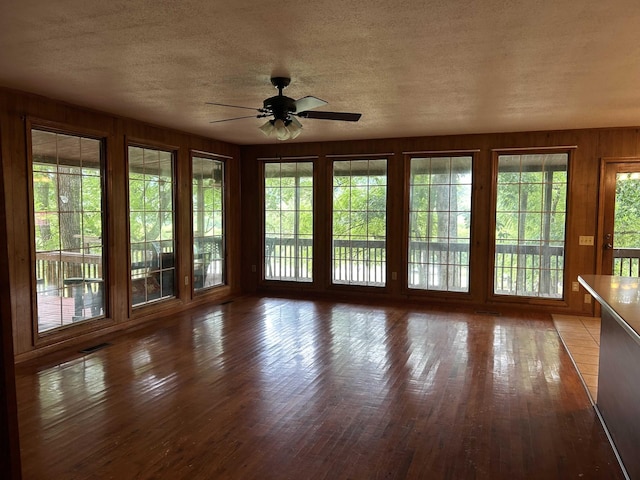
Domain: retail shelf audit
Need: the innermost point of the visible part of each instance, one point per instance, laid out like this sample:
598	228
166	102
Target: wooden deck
54	312
266	388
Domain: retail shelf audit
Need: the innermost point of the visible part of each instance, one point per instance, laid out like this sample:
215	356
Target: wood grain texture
266	388
18	112
9	438
244	216
581	219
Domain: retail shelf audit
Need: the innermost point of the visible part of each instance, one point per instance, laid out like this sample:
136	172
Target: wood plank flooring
270	388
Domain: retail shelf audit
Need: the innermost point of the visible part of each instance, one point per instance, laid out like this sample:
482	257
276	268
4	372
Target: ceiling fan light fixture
268	128
282	132
281	129
294	130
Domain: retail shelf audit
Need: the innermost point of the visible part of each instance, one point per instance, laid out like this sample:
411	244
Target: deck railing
626	262
518	269
529	270
288	259
53	267
434	265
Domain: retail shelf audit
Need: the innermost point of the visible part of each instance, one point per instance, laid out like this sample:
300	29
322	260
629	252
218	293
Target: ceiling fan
284	124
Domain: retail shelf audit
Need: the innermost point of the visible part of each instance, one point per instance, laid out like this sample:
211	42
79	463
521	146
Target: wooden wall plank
16	108
244	216
9	438
592	144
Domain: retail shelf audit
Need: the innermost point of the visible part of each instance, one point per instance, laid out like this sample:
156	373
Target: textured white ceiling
411	67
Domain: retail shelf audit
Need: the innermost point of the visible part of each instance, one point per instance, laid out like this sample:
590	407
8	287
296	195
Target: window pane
151	220
288	217
439	223
626	235
530	225
68	220
359	222
208	226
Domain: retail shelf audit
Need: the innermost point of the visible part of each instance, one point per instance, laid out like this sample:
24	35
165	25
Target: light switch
586	240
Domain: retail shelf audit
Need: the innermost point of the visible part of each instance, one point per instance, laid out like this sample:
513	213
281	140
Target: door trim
605	182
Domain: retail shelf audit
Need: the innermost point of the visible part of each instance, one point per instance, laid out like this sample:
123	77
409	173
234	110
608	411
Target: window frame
69	331
177	285
525	299
225	205
332	159
313	160
407	288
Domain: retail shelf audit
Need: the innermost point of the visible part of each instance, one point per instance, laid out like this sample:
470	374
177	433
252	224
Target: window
151	224
288	221
67	177
207	192
359	222
440	223
531	209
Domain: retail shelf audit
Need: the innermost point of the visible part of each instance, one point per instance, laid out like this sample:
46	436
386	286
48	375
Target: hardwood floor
269	388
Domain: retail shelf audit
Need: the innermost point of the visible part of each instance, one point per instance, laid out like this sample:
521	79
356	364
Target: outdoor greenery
151	197
440	223
67	196
288	198
360	200
67	204
530	220
626	231
627	213
207	191
359	221
288	217
530	214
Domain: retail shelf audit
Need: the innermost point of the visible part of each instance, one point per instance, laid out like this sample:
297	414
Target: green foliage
359	200
83	192
627	211
288	197
440	199
531	205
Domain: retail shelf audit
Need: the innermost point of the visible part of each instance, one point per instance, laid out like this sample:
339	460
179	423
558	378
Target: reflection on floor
581	337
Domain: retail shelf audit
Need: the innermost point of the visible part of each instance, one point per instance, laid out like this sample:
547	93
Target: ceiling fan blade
344	116
307	103
236	118
233	106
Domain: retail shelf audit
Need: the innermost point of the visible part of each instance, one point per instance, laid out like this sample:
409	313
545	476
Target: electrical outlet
575	286
186	280
587	298
586	240
394	275
254	268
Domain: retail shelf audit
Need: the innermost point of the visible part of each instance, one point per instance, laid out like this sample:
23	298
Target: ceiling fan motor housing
281	106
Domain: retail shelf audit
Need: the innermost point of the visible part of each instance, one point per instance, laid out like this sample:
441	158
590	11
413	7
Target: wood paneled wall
17	111
591	145
9	438
244	216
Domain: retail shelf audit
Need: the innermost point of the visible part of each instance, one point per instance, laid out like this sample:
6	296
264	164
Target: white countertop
620	294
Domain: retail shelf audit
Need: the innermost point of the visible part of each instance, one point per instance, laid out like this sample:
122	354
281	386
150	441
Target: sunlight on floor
581	337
